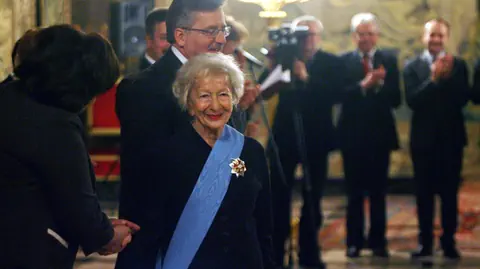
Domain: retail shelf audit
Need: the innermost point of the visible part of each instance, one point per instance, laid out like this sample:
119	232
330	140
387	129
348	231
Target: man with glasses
149	115
156	37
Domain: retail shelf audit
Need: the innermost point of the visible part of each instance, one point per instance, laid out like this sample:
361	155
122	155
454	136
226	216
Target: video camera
289	43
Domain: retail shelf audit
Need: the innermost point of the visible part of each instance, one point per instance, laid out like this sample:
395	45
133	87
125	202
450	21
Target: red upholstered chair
104	133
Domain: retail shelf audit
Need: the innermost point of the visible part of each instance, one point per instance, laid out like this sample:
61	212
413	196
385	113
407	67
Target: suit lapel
377	59
168	60
357	67
422	68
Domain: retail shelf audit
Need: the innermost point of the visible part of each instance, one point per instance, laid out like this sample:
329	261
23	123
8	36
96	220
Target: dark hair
155	16
68	68
180	14
24	44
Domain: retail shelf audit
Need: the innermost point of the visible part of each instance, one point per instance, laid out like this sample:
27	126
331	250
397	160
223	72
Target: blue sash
204	202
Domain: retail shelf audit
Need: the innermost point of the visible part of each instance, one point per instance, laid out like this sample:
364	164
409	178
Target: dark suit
367	134
314	101
144	63
475	92
437	139
46	182
148	114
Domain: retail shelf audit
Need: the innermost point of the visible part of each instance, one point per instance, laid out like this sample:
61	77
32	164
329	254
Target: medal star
238	167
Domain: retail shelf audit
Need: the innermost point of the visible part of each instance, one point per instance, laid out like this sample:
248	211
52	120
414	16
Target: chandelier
272	8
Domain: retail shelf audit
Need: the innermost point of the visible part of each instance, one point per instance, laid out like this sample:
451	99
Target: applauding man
367	133
436	85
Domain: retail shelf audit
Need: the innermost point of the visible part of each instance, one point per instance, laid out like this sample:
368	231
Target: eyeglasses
211	32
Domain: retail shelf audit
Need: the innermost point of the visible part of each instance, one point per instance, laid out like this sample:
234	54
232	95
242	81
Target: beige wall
17	16
162	3
401	21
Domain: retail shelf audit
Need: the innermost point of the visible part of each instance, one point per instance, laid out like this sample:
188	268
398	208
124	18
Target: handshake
122	236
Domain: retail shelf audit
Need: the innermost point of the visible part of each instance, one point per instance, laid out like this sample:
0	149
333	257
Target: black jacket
366	119
437	118
46	182
314	100
240	235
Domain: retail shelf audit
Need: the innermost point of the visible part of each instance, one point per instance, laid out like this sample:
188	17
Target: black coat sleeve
417	89
475	92
326	78
390	91
65	169
420	91
263	208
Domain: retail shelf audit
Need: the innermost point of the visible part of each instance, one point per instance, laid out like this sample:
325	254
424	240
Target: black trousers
437	171
311	214
366	173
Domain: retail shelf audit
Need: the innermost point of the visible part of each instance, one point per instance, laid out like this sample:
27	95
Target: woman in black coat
47	195
207	186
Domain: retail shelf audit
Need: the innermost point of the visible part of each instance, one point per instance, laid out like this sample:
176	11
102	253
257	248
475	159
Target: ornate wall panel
16	16
55	12
401	25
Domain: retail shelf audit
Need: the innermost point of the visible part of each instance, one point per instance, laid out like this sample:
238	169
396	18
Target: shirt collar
429	57
371	53
149	59
179	55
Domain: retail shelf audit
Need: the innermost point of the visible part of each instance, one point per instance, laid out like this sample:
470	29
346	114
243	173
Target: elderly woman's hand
249	96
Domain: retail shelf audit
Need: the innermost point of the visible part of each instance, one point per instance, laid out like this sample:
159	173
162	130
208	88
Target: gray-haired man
367	133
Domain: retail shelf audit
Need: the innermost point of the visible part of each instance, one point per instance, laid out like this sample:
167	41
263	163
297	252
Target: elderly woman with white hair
214	188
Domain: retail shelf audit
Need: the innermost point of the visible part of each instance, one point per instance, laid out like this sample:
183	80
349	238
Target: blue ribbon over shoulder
204	202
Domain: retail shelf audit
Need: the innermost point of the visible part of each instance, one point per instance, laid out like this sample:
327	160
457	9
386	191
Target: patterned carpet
402	221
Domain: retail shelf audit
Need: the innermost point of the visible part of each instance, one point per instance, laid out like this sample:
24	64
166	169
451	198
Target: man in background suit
436	86
367	133
149	115
317	80
475	92
156	37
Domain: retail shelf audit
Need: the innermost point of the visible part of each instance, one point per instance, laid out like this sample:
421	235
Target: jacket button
223	218
225	249
226	234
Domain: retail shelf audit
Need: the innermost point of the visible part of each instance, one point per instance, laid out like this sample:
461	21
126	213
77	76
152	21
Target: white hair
363	18
306	19
203	66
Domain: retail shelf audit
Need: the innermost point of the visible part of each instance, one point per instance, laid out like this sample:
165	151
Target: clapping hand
123	231
442	67
374	78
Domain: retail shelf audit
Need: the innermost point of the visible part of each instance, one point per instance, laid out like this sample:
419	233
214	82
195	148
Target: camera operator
316	79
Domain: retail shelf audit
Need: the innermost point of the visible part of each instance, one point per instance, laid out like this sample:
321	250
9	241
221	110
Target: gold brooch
238	167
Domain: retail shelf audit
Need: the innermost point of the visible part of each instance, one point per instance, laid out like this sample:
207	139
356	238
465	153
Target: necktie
366	64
